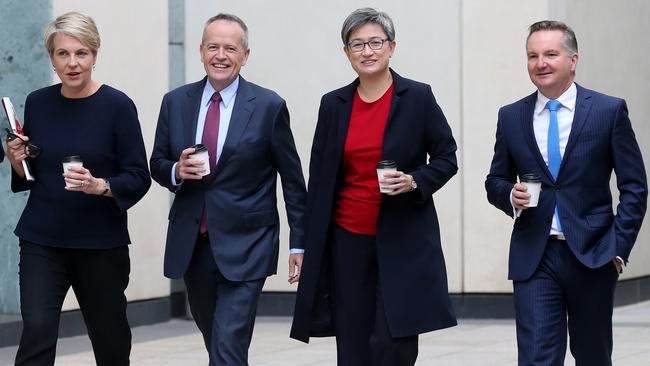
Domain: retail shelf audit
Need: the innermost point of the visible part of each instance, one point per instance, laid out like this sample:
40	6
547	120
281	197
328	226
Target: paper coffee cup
68	161
534	184
384	166
201	153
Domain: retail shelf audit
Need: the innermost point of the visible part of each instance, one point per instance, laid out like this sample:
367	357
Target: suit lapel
527	114
343	113
241	115
190	112
398	88
582	108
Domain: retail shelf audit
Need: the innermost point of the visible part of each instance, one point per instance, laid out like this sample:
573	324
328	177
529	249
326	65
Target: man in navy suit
566	253
223	227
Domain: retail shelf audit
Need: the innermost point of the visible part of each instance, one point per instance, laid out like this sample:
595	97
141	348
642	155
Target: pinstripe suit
574	277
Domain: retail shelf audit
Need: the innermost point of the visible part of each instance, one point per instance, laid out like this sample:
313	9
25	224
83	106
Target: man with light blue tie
567	252
223	233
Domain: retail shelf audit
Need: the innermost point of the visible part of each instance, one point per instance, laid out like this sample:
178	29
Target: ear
347	52
246	54
574	61
391	47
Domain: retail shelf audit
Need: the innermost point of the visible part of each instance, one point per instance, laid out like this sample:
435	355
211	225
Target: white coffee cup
201	153
534	186
382	167
68	161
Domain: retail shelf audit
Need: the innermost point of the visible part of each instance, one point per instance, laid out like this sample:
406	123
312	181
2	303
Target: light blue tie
553	147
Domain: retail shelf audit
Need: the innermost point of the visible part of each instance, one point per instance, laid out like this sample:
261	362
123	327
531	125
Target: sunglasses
31	150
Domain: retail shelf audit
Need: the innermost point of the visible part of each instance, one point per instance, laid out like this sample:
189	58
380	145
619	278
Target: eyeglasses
31	150
358	45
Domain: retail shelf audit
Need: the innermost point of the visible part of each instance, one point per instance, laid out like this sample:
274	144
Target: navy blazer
240	196
601	141
409	254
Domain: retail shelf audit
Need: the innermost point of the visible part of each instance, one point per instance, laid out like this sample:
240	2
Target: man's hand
520	196
295	265
618	264
187	168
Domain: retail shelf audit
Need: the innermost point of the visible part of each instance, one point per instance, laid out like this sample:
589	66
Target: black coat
411	263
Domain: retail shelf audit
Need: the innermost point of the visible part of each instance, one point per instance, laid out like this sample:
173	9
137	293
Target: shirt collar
567	99
227	94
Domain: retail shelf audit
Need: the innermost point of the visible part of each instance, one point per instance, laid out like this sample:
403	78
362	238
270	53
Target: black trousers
362	334
564	294
98	278
223	310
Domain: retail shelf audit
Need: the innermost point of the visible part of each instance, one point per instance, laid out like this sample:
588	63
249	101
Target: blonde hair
74	24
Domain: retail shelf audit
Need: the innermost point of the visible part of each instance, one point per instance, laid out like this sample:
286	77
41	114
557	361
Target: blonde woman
73	230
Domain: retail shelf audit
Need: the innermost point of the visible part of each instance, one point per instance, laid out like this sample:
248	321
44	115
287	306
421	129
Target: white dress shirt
228	96
541	119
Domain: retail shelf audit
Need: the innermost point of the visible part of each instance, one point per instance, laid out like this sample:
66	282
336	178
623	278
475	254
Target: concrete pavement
472	343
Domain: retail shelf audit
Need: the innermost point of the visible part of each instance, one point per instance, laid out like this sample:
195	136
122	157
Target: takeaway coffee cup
534	184
383	166
68	161
201	153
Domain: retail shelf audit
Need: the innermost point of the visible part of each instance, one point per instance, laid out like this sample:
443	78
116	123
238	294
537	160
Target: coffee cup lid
386	164
72	159
199	148
530	177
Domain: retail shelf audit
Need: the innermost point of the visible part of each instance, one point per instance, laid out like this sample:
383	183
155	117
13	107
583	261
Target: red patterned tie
209	139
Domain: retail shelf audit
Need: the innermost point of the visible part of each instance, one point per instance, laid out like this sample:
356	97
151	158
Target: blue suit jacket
601	141
240	197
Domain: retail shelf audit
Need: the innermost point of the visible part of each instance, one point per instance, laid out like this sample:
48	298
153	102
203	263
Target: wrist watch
107	186
414	185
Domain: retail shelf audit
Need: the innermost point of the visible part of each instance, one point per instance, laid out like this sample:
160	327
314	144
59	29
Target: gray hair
230	18
363	16
570	41
73	24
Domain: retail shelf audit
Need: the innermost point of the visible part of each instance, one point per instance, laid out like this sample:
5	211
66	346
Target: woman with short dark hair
373	273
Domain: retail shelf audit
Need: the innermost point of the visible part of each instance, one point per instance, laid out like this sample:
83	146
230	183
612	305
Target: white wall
494	74
133	59
614	49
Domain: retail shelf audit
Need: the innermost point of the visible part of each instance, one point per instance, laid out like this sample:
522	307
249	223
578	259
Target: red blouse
357	204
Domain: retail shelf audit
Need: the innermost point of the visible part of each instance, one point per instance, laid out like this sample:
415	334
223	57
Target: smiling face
73	62
369	62
550	66
223	53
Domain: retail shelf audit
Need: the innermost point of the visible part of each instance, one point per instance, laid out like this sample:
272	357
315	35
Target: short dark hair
363	16
230	18
570	41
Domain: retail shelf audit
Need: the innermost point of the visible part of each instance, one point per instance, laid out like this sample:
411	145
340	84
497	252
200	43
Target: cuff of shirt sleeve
174	182
515	212
296	251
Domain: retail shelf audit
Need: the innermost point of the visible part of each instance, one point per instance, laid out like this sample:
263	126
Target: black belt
557	237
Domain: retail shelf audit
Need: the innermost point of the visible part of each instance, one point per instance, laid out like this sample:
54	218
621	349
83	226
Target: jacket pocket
261	218
600	220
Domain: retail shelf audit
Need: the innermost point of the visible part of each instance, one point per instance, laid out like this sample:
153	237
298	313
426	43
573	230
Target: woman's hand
83	181
16	154
397	181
